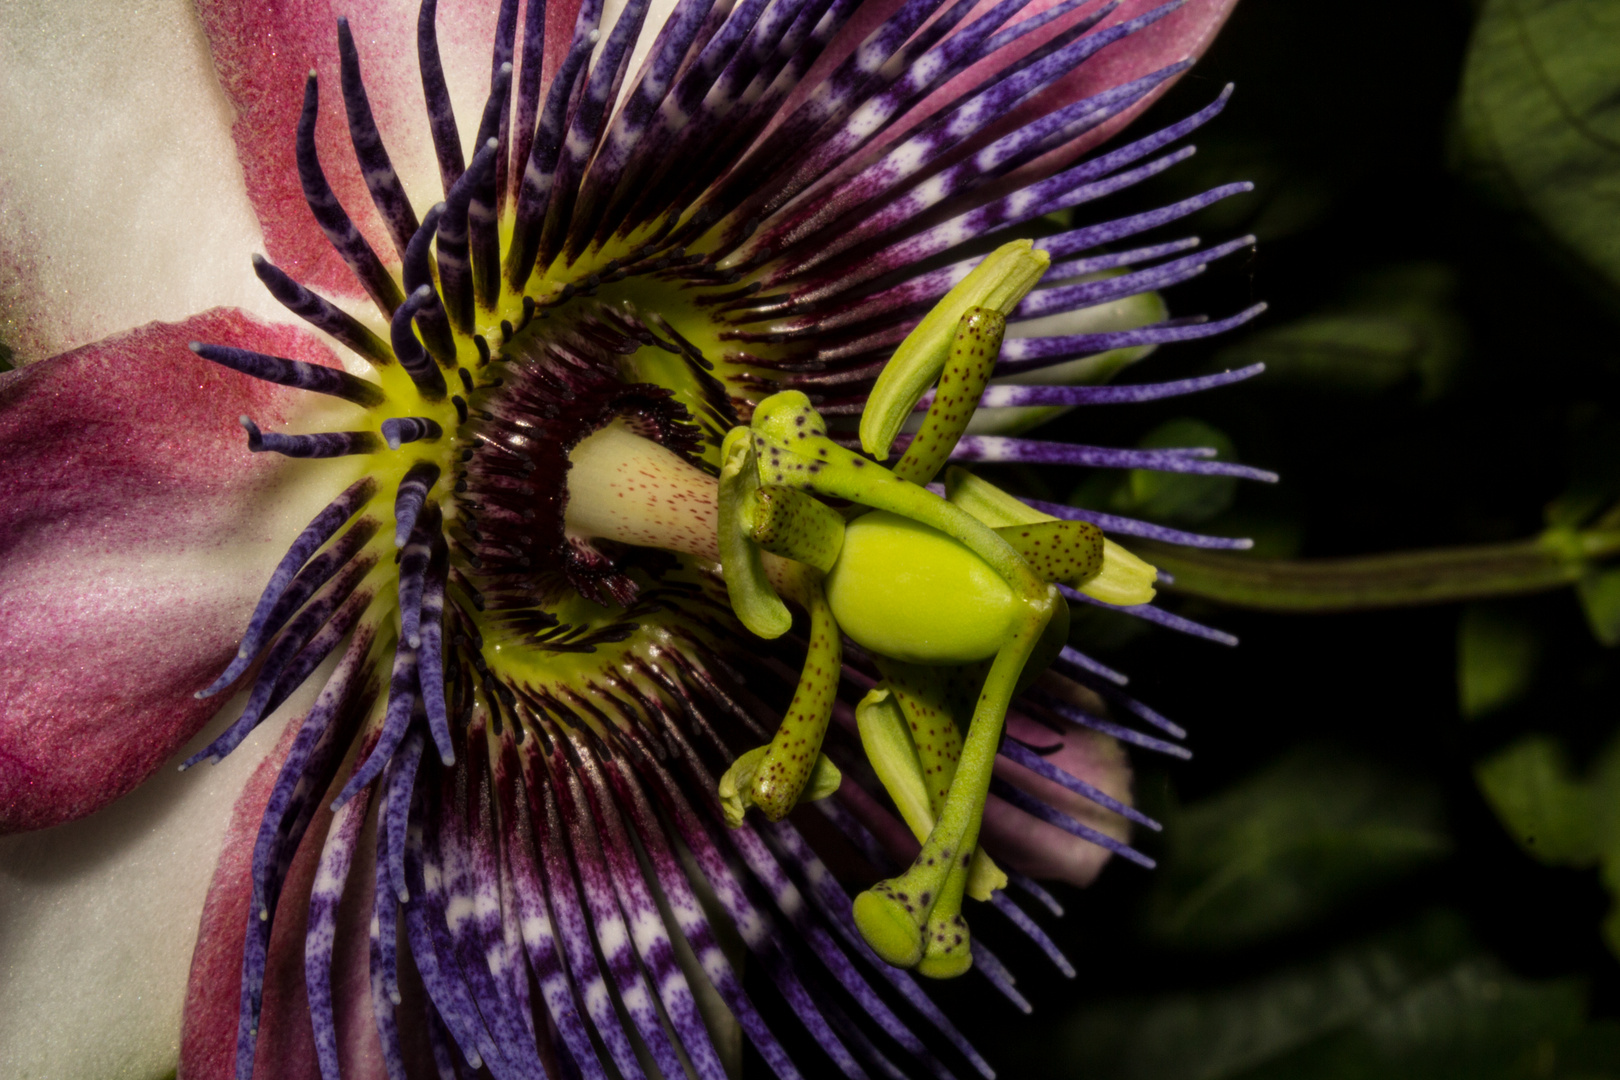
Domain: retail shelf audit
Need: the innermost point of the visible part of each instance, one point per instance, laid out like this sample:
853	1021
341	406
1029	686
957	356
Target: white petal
100	916
120	197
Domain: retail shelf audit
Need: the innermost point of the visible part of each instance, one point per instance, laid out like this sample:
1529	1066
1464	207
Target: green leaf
1599	593
1557	817
1395	327
1179	496
1293	844
1496	659
1540	118
1416	1003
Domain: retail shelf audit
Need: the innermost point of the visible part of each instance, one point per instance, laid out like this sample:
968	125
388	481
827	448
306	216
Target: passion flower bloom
526	291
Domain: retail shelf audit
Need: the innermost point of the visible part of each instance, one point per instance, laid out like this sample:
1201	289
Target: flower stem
1556	558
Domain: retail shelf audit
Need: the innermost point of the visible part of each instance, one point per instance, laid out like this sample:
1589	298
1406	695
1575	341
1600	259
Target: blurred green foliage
1540	119
1558	817
1417	1002
1306	837
1394	327
1496	659
1396	852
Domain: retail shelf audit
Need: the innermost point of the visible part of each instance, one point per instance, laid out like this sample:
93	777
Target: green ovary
938	603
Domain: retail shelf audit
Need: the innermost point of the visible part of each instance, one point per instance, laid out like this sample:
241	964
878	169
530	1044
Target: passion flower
580	437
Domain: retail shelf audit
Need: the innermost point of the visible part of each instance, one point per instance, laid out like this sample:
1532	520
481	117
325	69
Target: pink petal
1033	847
262	52
135	533
1183	34
214	990
286	1047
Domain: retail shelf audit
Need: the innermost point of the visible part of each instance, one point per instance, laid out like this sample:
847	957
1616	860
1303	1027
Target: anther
323	445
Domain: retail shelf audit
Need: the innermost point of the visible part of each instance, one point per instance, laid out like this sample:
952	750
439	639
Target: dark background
1356	907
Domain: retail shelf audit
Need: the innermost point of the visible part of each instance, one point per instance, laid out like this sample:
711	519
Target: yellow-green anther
987	502
930	704
1124	578
781	776
893	915
789	523
999	282
1070	552
752	597
972	358
934	734
893	756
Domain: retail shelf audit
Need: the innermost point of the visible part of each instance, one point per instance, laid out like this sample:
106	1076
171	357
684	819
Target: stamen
332	218
1001	449
483	227
1019	918
412	356
334	382
1019	396
387	193
1037	809
1037	764
1161	617
441	117
1124	526
322	314
400	430
431	319
455	269
323	445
